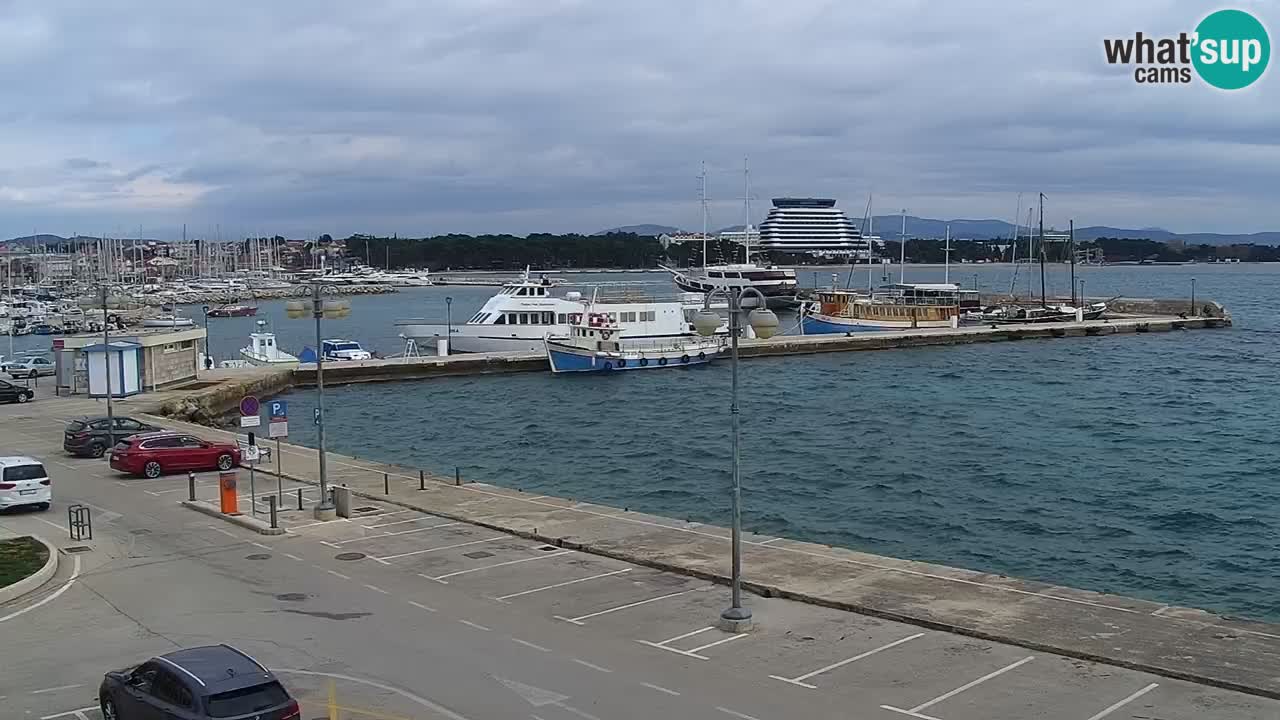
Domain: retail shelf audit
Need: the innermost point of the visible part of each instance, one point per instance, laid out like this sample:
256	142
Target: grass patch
20	558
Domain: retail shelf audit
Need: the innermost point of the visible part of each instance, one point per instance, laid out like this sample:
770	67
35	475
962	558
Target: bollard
299	498
386	485
191	486
422	480
271	505
457	475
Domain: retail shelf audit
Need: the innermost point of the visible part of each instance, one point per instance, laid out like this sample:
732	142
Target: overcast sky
431	116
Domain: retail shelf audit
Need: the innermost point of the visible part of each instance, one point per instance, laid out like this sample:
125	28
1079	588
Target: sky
423	117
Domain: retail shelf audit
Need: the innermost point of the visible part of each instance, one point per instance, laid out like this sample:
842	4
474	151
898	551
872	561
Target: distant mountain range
889	227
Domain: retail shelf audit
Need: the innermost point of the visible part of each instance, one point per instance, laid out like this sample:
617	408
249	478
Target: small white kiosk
122	360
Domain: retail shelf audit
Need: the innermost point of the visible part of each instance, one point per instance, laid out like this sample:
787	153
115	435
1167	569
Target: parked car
155	453
201	683
23	481
29	368
90	436
15	393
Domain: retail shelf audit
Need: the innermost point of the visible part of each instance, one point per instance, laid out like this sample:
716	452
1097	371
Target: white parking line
293	557
579	620
390	534
526	643
337	574
688	634
79	713
735	713
504	598
1124	702
420	606
721	641
660	689
56	689
593	666
441	578
915	711
767	542
477	626
800	680
384	560
375	588
75	573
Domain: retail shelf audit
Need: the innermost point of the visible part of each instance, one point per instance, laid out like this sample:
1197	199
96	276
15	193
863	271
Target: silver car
29	368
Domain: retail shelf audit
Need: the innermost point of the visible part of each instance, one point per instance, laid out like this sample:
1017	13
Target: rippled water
1144	465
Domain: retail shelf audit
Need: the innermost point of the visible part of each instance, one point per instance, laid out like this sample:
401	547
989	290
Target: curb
258	526
36	579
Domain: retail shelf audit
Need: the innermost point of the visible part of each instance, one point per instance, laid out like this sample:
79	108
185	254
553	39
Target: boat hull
818	324
264	362
566	359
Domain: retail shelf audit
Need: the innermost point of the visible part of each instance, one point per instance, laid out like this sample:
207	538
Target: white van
23	481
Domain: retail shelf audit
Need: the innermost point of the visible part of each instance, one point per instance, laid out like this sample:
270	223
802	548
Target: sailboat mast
871	228
946	272
902	249
1042	296
1072	230
746	203
1017	230
703	178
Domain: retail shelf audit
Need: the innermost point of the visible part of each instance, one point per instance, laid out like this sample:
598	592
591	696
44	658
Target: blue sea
1143	465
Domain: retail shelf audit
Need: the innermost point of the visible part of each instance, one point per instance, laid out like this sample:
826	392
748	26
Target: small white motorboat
262	349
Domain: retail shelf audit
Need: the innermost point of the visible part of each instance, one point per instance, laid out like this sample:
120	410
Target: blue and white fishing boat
594	344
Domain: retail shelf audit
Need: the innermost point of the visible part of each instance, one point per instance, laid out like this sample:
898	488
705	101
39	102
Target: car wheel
34	375
42	507
108	709
97	450
224	462
151	469
23	397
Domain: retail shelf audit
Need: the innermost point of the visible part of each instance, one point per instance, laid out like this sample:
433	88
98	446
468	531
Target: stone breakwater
227	296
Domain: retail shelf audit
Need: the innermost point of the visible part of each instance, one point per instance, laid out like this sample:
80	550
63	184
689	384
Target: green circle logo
1232	49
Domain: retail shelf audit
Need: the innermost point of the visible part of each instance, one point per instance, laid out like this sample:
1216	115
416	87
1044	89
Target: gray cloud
504	115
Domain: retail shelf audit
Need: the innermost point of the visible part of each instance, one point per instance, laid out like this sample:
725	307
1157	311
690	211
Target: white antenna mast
703	178
746	229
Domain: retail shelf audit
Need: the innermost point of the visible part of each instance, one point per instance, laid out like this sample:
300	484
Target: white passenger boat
262	349
168	321
525	311
594	344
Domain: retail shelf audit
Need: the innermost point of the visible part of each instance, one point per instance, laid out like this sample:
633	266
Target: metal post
1073	263
253	493
736	616
1193	298
457	475
191	486
324	510
106	356
208	348
386	484
299	498
448	320
279	475
1083	298
271	506
422	480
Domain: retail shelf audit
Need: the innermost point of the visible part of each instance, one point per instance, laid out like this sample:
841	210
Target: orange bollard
227	492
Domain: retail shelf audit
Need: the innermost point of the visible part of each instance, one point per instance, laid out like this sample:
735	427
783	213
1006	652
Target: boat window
562	318
648	316
548	318
613	317
502	319
627	317
575	318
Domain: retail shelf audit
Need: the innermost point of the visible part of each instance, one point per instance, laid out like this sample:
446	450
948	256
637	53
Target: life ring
702	356
608	365
662	361
644	362
622	362
684	359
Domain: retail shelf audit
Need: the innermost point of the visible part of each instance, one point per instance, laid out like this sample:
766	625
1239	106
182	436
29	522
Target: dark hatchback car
215	682
15	393
91	437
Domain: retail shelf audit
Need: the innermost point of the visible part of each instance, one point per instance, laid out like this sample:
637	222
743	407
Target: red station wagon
153	454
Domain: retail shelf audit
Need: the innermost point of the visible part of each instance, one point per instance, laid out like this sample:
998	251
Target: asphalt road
412	616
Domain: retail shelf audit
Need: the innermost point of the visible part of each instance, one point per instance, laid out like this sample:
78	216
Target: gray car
29	368
214	682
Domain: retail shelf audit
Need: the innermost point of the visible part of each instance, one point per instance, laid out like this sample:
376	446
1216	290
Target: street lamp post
208	348
320	309
448	323
106	356
736	618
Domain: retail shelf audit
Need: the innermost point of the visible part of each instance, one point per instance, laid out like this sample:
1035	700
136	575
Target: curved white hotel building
811	225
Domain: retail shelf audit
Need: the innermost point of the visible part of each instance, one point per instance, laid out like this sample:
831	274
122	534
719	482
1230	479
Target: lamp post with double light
331	309
764	322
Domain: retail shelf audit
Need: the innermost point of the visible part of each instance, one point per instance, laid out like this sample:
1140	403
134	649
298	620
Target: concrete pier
1176	642
488	363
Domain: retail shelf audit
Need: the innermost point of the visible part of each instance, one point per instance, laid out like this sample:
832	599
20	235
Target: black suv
215	682
15	393
89	437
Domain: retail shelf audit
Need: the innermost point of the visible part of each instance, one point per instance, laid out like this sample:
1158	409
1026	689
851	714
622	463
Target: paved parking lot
824	662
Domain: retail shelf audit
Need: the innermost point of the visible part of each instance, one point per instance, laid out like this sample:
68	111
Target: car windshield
25	472
346	346
247	700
